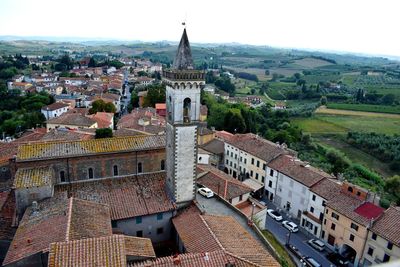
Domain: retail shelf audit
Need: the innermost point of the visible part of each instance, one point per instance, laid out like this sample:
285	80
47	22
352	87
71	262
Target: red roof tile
220	183
256	146
209	259
388	225
300	171
369	210
57	219
207	233
101	251
127	197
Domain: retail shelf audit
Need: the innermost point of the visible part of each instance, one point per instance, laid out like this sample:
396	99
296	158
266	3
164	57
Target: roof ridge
211	232
69	219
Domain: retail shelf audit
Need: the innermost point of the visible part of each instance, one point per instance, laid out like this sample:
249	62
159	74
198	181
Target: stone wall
77	168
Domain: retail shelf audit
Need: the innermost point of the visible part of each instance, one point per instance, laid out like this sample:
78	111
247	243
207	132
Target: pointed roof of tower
183	59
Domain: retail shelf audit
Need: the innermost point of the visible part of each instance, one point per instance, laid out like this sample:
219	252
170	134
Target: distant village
70	198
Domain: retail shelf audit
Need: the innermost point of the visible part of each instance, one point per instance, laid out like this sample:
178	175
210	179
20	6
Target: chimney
35	207
176	259
206	257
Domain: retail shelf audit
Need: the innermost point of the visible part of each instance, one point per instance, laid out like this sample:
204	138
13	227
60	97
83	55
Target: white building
321	192
289	181
247	156
54	110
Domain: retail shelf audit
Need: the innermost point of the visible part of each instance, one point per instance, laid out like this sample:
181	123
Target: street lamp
288	237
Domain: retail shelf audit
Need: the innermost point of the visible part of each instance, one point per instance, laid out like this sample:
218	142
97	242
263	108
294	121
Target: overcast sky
363	26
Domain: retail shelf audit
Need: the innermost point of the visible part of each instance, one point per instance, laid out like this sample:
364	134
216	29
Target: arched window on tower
187	103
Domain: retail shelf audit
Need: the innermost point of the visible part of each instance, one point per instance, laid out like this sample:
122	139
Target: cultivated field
331	111
309	62
365	107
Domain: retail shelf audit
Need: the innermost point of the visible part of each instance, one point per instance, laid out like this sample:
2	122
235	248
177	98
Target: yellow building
346	222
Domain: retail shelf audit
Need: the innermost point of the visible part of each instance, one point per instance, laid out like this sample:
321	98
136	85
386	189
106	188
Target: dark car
338	259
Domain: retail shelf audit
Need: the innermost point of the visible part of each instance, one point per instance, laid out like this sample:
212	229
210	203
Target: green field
355	154
365	107
341	124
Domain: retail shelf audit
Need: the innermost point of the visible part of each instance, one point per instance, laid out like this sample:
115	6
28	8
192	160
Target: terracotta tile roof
57	220
194	233
215	146
7	215
327	188
31	135
207	233
74	119
66	135
220	182
102	251
388	225
7	151
155	123
256	146
127	197
224	135
347	205
210	259
33	177
62	149
300	171
126	132
55	106
236	240
103	119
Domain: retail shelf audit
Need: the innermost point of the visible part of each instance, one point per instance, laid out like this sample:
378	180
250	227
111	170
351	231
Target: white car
292	227
275	215
317	244
206	192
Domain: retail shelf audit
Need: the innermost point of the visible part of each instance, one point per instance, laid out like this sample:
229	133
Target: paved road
298	239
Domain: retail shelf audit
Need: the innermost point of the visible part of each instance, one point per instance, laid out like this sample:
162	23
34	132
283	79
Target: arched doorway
348	252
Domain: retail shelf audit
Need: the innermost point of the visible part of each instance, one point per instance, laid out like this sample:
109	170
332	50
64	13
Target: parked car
338	259
206	192
292	227
312	262
317	244
275	215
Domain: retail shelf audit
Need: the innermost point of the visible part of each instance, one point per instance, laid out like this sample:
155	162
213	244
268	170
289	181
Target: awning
253	184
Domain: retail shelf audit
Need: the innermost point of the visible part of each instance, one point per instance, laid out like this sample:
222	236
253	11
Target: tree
388	99
392	187
339	161
234	121
101	106
155	94
103	133
324	100
92	63
267	72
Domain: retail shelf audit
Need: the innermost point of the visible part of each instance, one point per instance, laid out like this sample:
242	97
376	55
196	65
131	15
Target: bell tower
183	86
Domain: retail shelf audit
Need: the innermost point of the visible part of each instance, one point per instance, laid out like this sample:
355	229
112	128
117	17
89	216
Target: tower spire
183	59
